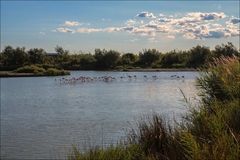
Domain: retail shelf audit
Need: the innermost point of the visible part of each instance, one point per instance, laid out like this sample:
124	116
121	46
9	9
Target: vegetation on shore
35	70
13	58
211	130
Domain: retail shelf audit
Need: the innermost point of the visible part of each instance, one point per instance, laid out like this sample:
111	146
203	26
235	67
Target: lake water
41	118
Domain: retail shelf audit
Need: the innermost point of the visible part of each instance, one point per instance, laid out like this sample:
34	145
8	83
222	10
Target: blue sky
127	26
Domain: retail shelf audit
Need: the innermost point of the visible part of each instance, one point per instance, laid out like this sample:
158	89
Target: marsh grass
30	69
41	70
210	130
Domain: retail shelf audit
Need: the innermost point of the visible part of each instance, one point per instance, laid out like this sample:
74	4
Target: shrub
30	69
221	80
55	72
37	70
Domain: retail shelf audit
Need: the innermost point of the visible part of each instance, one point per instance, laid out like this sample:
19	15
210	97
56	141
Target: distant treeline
12	58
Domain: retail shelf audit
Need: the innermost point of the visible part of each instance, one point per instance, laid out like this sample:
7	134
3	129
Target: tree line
102	59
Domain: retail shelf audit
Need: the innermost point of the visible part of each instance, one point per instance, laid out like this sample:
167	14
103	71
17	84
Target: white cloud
192	25
232	29
146	14
130	22
206	16
189	36
209	31
164	20
111	29
195	18
88	30
127	28
161	15
235	20
65	30
71	23
144	31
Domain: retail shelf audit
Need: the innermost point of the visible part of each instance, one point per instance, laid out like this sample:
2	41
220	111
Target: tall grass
30	69
41	70
222	80
210	130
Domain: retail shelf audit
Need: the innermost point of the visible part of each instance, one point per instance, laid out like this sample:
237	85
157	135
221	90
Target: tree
60	50
228	50
198	56
128	59
106	59
174	59
63	57
87	61
111	59
148	57
36	56
14	57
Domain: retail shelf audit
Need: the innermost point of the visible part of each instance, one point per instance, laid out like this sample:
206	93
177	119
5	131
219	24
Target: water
41	118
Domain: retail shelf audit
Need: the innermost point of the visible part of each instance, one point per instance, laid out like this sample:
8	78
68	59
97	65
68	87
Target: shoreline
9	74
157	70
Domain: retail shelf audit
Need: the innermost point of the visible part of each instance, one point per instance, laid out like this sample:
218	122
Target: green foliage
120	152
12	58
106	59
87	61
228	50
156	138
174	59
61	51
39	70
215	123
128	59
222	81
198	56
55	72
30	69
36	56
46	66
148	57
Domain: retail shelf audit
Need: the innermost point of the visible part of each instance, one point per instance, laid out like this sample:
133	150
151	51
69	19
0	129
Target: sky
126	26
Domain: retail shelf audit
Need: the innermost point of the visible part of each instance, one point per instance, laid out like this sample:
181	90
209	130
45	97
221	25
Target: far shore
157	70
6	74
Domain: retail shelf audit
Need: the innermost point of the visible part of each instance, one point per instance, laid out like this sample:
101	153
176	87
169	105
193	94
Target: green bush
37	70
55	72
30	69
46	66
215	123
221	80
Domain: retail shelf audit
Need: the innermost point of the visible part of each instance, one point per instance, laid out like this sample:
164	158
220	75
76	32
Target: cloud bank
192	25
71	23
146	14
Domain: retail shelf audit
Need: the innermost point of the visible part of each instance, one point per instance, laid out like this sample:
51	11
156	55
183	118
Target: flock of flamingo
88	79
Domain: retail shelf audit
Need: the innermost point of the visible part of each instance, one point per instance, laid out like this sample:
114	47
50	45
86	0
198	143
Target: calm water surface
41	118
